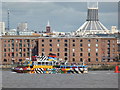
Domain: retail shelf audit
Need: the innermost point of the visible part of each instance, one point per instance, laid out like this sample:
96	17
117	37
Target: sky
63	16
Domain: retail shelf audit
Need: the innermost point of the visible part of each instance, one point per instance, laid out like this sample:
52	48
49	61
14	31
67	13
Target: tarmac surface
94	79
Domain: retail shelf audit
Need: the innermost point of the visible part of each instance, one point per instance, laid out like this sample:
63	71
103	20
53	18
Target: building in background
114	29
2	28
93	50
16	49
92	24
48	28
22	29
22	26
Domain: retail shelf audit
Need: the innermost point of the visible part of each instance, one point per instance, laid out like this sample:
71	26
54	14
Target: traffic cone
117	69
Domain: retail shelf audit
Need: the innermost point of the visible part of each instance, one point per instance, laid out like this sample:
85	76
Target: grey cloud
63	16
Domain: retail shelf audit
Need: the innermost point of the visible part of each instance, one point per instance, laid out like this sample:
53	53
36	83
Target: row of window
27	40
17	54
20	49
66	49
73	54
20	45
72	45
68	40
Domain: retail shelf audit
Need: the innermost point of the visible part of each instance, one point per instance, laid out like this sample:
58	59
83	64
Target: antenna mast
8	13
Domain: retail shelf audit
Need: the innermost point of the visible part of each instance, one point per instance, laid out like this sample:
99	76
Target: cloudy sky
63	16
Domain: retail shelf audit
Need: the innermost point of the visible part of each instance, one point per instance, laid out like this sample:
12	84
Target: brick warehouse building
93	50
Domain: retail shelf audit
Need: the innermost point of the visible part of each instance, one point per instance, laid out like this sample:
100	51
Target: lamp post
30	54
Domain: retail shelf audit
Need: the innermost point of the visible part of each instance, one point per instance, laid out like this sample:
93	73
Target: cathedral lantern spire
48	28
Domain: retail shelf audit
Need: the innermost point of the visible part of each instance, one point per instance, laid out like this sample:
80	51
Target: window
81	49
4	50
50	49
28	54
50	40
88	59
65	54
58	54
4	45
65	40
24	55
58	45
108	45
108	49
108	41
88	54
28	45
28	49
5	60
12	44
96	40
81	60
8	45
81	54
42	40
16	45
58	49
17	55
103	60
108	60
42	49
89	40
58	40
42	54
108	54
96	45
65	49
9	49
96	54
73	40
65	58
65	44
24	49
50	45
96	49
89	49
73	59
88	45
73	44
42	45
24	45
81	40
28	40
12	41
73	50
4	54
9	55
96	59
13	55
20	40
20	50
80	45
73	54
20	45
20	60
